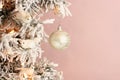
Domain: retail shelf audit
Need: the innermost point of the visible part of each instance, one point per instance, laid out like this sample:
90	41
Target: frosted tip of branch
48	21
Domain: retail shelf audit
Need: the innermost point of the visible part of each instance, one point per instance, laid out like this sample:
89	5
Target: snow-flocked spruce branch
21	35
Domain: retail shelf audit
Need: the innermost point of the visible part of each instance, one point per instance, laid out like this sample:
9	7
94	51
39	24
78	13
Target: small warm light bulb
12	31
56	9
1	5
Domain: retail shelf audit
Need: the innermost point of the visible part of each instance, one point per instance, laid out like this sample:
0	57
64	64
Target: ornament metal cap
59	28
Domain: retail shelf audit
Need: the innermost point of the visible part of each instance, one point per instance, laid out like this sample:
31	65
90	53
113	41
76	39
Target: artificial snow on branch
41	6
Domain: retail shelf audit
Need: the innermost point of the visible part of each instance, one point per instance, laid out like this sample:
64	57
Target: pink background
94	53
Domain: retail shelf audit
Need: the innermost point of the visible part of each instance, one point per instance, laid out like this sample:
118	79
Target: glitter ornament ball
59	39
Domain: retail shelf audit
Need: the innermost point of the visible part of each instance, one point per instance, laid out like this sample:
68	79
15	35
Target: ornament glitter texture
59	39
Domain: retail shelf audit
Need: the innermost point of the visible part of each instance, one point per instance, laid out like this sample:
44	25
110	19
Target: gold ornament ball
59	39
